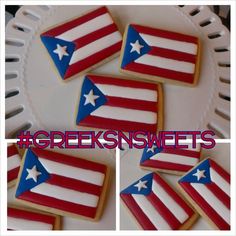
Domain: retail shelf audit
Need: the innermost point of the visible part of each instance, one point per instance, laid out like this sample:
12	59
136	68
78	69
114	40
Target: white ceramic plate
38	99
130	172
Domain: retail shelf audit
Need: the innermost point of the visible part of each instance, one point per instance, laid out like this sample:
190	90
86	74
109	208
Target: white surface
49	103
108	219
130	172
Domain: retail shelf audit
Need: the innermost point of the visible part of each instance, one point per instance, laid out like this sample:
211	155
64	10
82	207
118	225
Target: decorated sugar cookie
207	187
62	184
170	160
78	45
156	206
160	55
120	104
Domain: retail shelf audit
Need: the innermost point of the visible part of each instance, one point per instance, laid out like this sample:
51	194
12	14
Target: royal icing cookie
13	164
207	187
83	43
156	206
120	104
160	55
62	184
19	218
170	160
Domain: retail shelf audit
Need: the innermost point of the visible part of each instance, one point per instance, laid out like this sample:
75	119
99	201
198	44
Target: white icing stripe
22	224
177	159
127	92
85	175
166	63
125	114
157	220
13	162
219	181
65	194
95	46
168	201
176	45
213	201
86	28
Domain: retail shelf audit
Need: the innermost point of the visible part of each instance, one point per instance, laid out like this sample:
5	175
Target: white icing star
200	174
61	51
90	98
33	173
152	149
136	47
141	184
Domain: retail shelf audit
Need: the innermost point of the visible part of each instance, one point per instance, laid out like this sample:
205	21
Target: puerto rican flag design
171	159
119	104
63	183
82	43
13	163
160	53
208	186
155	205
23	219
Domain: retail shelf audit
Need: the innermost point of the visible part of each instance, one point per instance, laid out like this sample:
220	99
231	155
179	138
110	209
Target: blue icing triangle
192	178
132	189
132	37
148	154
25	184
86	109
51	44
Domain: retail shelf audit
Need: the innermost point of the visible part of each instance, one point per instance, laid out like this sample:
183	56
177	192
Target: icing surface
13	162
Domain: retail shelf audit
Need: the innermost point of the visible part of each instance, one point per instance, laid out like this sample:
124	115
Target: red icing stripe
78	21
209	211
172	54
131	104
223	173
156	71
11	150
74	184
137	212
173	195
12	174
89	38
164	211
221	195
97	79
58	204
32	216
69	160
165	34
92	60
182	152
106	123
166	165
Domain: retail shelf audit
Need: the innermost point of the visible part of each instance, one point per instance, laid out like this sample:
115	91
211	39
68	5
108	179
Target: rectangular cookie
62	184
160	55
170	160
120	104
157	206
21	218
13	164
207	187
81	44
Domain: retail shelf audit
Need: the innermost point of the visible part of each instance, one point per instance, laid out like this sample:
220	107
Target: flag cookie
62	184
156	206
170	160
13	164
120	104
160	55
83	43
207	187
19	218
